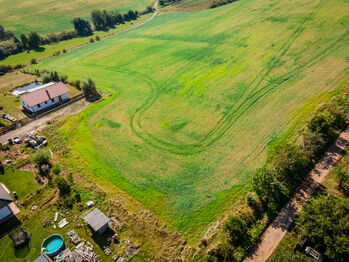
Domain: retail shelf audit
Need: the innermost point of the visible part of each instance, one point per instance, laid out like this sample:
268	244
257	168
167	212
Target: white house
44	96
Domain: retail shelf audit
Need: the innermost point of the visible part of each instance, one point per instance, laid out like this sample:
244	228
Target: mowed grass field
52	16
199	97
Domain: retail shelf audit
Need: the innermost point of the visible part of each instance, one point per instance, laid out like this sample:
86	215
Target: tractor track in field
253	95
224	124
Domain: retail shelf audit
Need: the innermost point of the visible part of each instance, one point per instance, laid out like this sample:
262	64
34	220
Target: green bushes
62	184
89	88
41	160
324	221
289	257
220	3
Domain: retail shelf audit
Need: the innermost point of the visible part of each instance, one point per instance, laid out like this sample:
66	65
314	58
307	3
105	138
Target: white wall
44	105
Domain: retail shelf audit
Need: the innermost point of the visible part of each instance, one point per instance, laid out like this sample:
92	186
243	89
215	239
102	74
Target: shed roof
44	93
43	258
96	219
5	197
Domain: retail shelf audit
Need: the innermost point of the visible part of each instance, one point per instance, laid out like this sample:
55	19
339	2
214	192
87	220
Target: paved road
40	123
277	230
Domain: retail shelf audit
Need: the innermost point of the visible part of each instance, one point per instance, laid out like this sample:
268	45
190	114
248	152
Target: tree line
218	3
288	163
10	44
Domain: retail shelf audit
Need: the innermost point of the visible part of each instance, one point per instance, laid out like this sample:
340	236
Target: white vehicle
17	140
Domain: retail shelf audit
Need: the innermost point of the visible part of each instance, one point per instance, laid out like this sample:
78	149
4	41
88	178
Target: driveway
40	123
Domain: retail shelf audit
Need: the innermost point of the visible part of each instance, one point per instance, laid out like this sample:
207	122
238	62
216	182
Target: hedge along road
156	4
278	228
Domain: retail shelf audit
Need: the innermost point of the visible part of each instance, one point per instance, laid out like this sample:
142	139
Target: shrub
41	157
56	170
62	184
89	88
5	147
289	257
44	169
33	61
237	229
77	197
77	84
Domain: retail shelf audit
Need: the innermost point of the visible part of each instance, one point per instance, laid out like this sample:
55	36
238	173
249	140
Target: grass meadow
53	16
199	97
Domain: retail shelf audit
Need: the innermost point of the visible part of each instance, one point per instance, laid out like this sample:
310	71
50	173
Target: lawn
11	104
53	16
20	181
198	98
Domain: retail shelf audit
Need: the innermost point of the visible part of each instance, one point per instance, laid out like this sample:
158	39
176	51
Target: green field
53	16
198	97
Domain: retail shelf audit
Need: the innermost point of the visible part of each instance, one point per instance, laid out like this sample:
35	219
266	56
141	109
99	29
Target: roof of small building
44	93
96	219
57	89
43	258
5	197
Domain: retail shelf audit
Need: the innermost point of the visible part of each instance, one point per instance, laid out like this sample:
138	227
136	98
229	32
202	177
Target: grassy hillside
52	16
200	96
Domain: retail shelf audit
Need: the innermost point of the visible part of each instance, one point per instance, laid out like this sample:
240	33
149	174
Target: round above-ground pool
52	245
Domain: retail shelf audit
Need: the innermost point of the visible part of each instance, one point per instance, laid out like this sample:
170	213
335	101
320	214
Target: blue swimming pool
53	245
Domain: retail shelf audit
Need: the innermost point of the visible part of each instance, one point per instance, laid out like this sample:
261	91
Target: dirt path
40	123
156	4
277	230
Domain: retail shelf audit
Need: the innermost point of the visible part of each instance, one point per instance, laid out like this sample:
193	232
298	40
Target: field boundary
156	3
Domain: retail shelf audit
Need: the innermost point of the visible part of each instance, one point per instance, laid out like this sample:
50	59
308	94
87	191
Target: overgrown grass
201	97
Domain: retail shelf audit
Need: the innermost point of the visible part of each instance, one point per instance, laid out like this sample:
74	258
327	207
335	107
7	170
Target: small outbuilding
97	220
43	258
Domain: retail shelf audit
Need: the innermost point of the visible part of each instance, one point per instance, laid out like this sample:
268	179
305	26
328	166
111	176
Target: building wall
103	229
5	213
46	104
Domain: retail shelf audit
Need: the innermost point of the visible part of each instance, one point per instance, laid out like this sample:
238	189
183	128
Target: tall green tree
325	222
89	88
268	188
33	40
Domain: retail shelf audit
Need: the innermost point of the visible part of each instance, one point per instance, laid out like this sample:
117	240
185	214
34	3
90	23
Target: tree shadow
102	240
9	225
39	49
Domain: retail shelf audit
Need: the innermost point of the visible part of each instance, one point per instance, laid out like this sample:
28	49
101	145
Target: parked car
17	140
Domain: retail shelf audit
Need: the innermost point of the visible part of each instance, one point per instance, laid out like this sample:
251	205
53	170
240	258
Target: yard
11	104
198	98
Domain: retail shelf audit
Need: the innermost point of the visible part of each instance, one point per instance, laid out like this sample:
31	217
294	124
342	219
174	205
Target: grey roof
96	219
43	258
5	198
